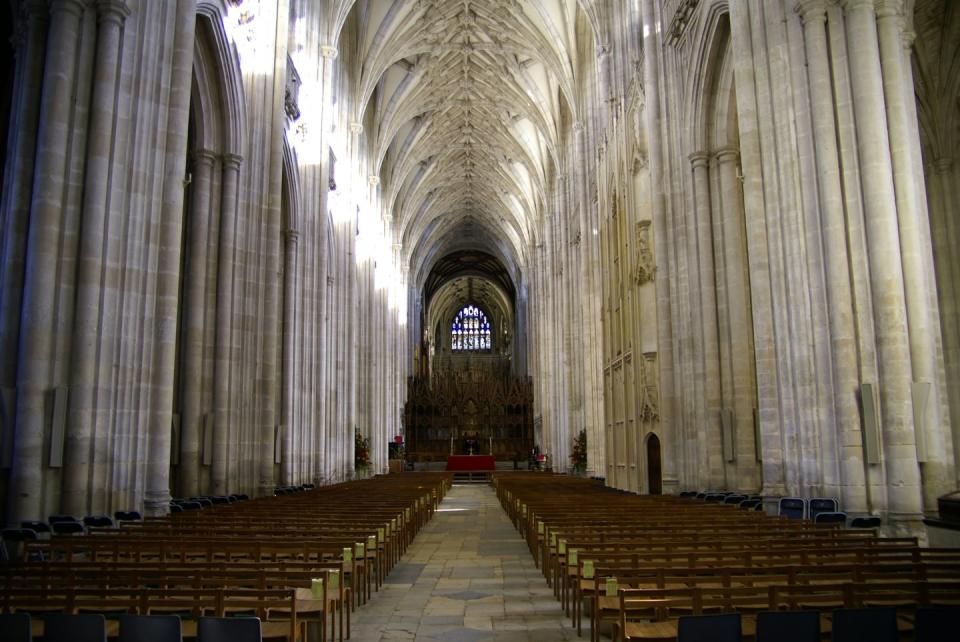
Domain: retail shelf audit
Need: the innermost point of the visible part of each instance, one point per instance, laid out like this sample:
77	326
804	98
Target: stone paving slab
467	577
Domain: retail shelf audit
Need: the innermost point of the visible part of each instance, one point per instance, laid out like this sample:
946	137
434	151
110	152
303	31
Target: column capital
851	5
76	7
811	10
356	128
233	161
698	159
907	36
727	154
329	52
291	235
206	156
889	8
112	11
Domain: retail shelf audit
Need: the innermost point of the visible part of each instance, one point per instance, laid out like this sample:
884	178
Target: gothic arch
710	63
218	85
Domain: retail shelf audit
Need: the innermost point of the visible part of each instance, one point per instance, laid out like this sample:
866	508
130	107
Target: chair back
865	522
830	518
16	627
68	528
81	627
128	516
709	628
865	625
228	629
788	626
818	505
149	628
98	521
792	507
937	623
36	527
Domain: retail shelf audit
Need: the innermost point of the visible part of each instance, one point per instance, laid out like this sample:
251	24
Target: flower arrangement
578	457
361	452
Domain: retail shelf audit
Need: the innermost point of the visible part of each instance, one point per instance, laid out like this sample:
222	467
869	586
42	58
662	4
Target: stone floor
467	577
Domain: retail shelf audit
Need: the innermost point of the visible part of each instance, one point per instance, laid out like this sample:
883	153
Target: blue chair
13	541
865	625
709	628
16	627
53	519
97	521
865	522
82	627
150	628
714	498
128	516
37	527
933	624
747	504
68	528
734	499
818	505
830	518
788	626
792	507
228	629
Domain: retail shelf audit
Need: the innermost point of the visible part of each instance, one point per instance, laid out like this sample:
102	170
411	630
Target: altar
470	462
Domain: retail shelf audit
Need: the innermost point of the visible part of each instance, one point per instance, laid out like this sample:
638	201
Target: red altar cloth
470	462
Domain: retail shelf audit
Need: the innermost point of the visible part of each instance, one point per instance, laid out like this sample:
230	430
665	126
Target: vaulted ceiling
468	102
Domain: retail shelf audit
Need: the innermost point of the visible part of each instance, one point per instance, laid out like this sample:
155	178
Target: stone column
603	84
943	205
886	275
111	15
29	43
35	363
761	295
651	84
834	230
914	239
290	296
593	422
157	494
224	321
702	233
191	418
738	311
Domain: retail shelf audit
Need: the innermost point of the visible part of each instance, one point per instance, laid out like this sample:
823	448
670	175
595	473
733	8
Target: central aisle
468	576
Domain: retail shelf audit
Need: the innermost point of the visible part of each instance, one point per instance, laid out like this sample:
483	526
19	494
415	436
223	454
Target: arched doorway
654	474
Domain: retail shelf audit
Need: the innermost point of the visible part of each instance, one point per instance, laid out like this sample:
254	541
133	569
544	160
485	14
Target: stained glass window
470	330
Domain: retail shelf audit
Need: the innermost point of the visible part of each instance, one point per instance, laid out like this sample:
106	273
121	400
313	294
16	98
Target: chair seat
666	630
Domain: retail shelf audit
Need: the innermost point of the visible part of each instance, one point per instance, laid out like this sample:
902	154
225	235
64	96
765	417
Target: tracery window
470	330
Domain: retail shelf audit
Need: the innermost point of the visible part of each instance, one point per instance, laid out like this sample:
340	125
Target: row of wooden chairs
324	550
584	538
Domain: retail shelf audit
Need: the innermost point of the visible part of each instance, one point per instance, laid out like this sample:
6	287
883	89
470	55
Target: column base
156	504
265	489
904	525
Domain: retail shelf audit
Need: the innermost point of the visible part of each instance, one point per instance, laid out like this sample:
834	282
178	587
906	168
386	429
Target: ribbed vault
465	103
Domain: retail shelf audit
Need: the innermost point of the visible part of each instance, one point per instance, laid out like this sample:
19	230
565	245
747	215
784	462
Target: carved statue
645	269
